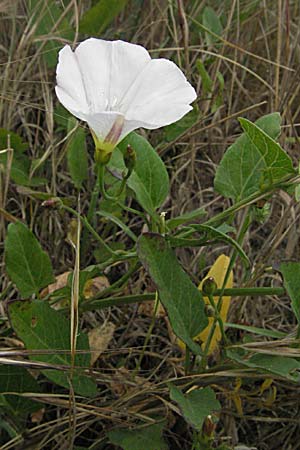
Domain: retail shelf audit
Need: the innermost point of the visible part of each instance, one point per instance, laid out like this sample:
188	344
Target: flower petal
103	123
108	69
159	96
131	125
167	114
70	89
128	60
115	87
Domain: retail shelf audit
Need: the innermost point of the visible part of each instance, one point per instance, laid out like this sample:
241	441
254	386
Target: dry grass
258	57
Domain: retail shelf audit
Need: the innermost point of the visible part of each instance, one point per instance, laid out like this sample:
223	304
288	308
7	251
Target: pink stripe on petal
115	132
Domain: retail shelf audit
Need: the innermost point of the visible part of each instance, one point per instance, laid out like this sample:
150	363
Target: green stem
242	231
240	237
217	316
255	291
104	193
94	304
117	285
251	199
90	219
149	332
89	227
134	211
187	361
118	257
207	343
93	202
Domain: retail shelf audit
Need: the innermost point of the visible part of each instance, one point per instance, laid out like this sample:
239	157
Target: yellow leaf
271	397
266	384
217	272
238	403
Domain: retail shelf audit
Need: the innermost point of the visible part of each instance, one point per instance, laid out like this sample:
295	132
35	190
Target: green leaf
218	101
210	235
113	184
182	300
242	168
278	365
20	173
101	254
40	195
207	82
42	328
146	438
119	223
291	278
77	154
218	235
20	165
17	380
212	22
7	427
176	129
27	265
260	331
61	116
46	23
99	17
16	142
277	163
195	405
184	218
149	179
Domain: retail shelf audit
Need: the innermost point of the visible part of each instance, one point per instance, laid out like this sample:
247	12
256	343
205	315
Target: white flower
116	87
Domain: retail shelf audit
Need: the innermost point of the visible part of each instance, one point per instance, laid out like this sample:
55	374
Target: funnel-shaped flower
116	87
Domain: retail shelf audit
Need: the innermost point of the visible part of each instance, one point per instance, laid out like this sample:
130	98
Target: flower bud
209	286
209	311
130	158
209	427
53	202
